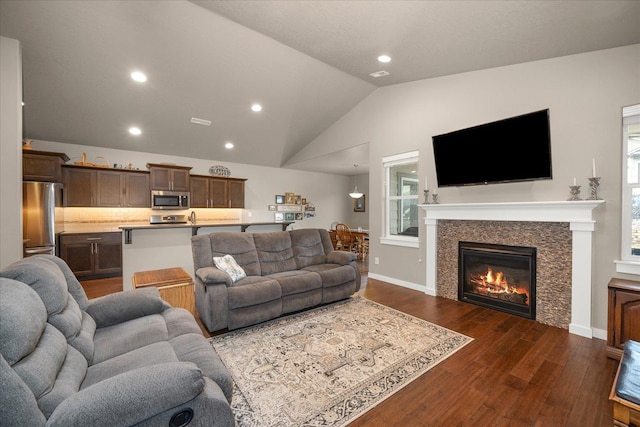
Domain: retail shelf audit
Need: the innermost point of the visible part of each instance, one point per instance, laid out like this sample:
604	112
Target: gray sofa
286	271
119	360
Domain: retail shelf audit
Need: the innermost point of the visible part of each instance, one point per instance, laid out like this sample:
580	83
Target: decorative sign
219	170
289	208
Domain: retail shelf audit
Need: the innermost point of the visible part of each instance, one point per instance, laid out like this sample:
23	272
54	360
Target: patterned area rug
326	367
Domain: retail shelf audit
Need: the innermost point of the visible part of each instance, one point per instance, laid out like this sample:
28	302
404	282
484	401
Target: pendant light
355	194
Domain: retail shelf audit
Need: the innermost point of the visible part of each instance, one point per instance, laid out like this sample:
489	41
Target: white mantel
579	214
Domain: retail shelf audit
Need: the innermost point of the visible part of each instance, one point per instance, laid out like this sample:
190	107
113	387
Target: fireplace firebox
498	276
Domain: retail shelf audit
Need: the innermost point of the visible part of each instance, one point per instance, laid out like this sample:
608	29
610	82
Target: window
630	252
401	200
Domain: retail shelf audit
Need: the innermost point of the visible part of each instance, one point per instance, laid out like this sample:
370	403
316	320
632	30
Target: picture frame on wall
289	216
359	204
278	217
299	216
289	198
272	207
279	199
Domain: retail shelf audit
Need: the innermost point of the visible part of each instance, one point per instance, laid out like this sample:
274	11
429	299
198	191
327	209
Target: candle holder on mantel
594	183
574	191
426	197
434	198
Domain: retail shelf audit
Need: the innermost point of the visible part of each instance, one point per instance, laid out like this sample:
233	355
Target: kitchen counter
91	227
194	227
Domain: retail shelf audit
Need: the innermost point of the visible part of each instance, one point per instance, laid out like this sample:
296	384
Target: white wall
585	94
162	249
10	151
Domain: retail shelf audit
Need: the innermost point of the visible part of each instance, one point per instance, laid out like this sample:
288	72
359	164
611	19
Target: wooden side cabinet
42	166
623	315
92	254
174	284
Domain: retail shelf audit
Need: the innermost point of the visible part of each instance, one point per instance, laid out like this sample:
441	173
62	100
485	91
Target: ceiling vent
379	74
202	122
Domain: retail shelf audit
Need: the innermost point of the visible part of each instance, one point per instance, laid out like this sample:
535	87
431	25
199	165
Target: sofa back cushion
44	276
36	351
274	252
309	247
235	243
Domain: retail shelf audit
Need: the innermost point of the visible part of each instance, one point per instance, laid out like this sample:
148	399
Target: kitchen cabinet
171	178
624	315
92	254
216	192
99	187
42	166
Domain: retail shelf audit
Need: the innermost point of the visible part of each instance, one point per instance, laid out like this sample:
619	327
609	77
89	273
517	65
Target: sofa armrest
213	276
123	306
131	397
340	257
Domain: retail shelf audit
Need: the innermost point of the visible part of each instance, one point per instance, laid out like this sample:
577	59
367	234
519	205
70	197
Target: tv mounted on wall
513	149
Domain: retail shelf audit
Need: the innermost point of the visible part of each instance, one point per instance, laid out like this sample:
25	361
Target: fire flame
495	283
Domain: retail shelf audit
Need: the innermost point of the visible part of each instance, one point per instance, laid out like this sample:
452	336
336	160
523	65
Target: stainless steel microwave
169	200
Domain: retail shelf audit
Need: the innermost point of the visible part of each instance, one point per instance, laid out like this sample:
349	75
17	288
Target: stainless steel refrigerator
41	217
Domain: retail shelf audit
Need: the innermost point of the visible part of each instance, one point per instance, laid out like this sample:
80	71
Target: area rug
327	366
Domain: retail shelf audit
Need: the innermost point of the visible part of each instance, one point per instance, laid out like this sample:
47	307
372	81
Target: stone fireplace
561	233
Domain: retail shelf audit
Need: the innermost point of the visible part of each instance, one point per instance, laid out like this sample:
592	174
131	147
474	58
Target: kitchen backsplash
135	215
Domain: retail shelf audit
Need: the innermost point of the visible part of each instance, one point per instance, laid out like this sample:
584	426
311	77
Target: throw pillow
229	265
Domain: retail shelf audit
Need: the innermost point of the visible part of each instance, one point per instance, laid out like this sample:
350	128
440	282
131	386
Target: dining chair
345	240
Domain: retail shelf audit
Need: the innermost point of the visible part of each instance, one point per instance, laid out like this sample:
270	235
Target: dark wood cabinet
42	166
170	178
624	315
92	254
216	192
97	187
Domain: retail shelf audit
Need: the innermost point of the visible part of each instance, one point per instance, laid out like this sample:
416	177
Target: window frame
628	263
387	162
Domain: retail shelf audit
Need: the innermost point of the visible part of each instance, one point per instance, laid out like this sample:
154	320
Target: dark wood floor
516	372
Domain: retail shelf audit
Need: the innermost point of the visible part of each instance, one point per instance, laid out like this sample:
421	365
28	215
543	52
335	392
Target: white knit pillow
229	265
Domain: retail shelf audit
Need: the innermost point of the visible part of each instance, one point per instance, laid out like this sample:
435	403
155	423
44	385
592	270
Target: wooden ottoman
175	286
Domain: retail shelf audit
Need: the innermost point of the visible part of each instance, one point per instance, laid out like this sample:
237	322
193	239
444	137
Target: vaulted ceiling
306	62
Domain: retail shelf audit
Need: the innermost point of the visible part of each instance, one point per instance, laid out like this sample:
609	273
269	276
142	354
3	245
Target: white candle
593	167
574	181
435	191
426	187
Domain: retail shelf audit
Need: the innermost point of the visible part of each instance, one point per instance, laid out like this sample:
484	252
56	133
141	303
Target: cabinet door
180	180
137	193
108	254
199	192
79	186
627	313
160	178
219	198
40	167
236	193
109	189
77	252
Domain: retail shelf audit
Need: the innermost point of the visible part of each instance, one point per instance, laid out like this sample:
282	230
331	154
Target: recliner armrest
126	305
213	276
131	397
340	257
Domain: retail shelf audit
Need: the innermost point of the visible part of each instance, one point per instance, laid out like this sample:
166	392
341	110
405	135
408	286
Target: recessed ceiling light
139	76
256	108
135	130
228	145
384	58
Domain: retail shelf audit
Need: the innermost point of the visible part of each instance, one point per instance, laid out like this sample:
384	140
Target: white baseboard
414	286
601	334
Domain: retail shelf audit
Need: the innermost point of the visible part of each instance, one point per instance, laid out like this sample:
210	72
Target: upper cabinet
97	187
216	192
169	177
42	165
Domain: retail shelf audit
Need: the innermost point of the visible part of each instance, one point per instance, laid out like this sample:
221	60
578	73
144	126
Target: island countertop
195	226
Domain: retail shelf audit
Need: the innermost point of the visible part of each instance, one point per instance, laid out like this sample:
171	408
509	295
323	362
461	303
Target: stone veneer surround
579	216
553	273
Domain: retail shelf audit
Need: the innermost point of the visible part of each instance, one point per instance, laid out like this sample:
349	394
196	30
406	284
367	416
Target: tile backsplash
141	215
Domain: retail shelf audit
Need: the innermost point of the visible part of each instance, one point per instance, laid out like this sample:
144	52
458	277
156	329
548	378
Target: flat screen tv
513	149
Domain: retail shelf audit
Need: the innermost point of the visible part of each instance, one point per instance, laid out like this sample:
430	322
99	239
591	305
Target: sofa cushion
239	245
333	274
252	291
229	265
274	252
308	247
296	281
118	339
